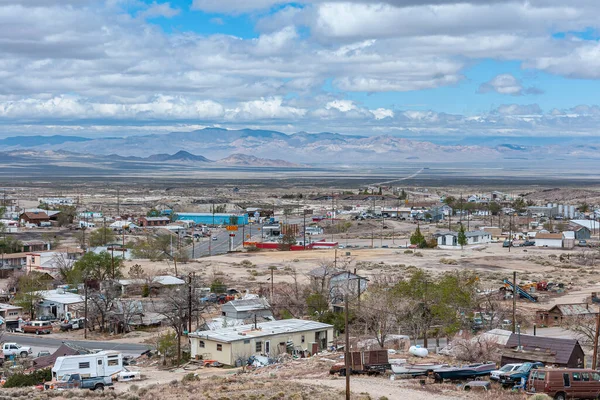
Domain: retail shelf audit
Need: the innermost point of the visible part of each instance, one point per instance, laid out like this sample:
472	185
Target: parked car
495	375
76	323
211	298
14	349
520	375
38	327
43	353
75	381
215	238
567	383
582	243
506	243
528	243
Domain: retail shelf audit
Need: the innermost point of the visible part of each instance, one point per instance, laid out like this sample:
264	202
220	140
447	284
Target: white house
59	303
553	240
246	308
449	240
234	344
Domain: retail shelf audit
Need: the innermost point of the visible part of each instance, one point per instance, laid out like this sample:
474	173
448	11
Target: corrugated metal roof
62	298
541	235
265	329
563	348
249	304
573	309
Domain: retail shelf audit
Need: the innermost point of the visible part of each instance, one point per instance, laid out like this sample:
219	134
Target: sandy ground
384	388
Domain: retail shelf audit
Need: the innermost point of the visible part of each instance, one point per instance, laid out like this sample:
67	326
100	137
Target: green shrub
408	251
35	378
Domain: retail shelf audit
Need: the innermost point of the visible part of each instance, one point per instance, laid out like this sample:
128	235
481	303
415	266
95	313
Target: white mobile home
232	344
104	363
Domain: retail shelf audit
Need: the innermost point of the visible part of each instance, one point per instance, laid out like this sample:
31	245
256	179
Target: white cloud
271	108
519	109
341	105
156	10
507	84
503	84
382	113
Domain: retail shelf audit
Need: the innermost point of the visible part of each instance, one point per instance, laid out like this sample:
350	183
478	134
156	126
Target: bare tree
583	326
174	307
100	305
125	311
470	349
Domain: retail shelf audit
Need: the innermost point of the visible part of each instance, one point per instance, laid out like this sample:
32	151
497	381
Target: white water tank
418	351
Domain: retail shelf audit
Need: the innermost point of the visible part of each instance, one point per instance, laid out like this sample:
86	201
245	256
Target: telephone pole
190	303
85	322
514	318
347	347
595	356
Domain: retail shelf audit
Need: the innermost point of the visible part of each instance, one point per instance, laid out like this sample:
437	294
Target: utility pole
304	233
514	318
272	284
372	238
347	347
85	294
595	356
510	233
118	202
190	303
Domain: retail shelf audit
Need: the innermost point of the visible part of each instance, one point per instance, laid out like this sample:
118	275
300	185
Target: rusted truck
364	362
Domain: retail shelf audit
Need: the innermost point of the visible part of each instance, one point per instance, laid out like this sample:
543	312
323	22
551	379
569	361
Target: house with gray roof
449	240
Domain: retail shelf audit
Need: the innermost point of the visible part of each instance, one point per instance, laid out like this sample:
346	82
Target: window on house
219	347
302	339
202	345
246	341
84	365
258	347
99	362
223	313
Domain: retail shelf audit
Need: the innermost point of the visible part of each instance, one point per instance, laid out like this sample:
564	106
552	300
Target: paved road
207	246
48	343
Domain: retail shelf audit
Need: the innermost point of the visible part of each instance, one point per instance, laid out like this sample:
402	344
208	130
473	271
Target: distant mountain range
248	147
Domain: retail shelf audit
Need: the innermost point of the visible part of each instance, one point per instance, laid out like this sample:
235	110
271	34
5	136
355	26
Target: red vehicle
38	327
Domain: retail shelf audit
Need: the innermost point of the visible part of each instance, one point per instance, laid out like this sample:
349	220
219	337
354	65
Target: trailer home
103	363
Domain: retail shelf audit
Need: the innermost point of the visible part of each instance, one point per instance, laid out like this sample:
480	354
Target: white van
103	363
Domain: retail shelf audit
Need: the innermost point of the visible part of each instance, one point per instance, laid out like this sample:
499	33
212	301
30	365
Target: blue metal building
210	218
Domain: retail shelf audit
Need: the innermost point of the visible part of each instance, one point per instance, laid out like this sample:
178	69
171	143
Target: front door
100	367
268	347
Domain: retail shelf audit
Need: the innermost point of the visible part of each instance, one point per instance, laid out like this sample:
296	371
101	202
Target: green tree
287	241
450	200
94	266
9	244
402	195
519	204
317	303
27	295
153	213
233	220
494	208
66	215
101	237
380	192
584	207
441	301
462	237
166	344
417	237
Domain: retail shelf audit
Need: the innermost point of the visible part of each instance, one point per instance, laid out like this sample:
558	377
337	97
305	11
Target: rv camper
103	363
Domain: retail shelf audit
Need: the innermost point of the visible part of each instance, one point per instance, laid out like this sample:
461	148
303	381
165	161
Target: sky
414	68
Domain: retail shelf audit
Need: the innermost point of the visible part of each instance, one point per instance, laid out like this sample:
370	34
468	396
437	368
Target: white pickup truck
10	349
